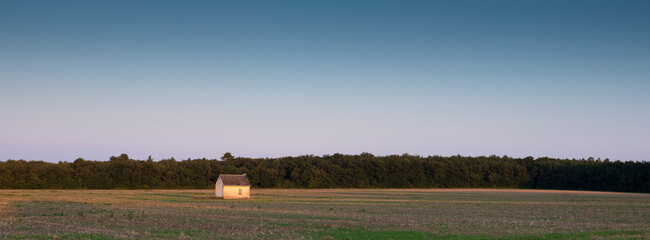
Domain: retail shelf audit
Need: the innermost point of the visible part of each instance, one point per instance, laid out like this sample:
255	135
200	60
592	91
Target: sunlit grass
335	213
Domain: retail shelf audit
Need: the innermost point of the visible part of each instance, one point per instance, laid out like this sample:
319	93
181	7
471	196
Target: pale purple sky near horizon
268	79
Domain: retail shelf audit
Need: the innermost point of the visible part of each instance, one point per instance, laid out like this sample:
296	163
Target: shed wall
232	192
219	188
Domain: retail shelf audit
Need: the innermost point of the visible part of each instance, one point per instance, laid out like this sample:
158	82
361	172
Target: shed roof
234	180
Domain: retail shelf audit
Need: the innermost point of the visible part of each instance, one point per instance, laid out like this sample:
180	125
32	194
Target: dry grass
331	213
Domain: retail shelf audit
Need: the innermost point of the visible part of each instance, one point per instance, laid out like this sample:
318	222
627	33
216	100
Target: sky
194	79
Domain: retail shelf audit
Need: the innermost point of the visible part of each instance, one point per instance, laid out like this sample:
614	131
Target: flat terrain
324	214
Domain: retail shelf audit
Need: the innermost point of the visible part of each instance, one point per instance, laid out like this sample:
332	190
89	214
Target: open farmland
324	214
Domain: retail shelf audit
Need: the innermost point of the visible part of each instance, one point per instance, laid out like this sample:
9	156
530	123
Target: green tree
227	156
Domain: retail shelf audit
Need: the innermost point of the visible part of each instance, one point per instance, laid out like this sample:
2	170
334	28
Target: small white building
230	186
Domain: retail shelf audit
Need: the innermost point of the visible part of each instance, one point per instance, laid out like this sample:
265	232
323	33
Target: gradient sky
567	79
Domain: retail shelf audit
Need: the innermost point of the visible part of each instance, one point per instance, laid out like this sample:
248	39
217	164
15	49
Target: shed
232	186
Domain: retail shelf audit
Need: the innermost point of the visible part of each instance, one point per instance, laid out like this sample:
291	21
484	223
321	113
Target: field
324	214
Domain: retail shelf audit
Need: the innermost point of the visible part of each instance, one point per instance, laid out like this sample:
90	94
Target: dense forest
333	171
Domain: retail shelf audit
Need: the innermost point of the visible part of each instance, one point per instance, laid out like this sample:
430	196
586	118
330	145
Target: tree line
332	171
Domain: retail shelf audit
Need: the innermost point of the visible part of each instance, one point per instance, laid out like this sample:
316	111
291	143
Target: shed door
240	191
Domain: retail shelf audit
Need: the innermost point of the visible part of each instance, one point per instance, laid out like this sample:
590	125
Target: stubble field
324	214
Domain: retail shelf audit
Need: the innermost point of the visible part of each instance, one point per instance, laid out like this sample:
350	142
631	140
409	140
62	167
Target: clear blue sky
91	79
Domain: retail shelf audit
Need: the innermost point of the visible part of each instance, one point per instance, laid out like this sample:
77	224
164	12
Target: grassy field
324	214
